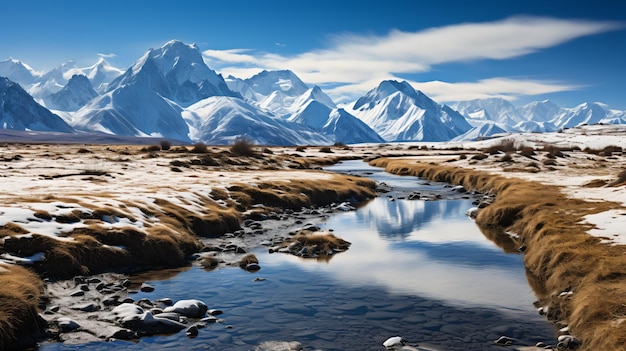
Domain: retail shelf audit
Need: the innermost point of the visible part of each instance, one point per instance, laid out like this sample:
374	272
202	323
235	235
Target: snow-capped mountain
335	123
400	113
76	94
18	110
285	95
220	120
100	74
177	72
275	91
537	116
132	110
18	72
486	129
497	110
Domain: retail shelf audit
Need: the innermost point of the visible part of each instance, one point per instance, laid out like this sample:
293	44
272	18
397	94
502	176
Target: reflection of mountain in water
397	219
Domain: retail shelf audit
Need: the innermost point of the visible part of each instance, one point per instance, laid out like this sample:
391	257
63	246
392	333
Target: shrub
199	148
84	151
553	151
506	158
505	145
301	149
153	148
166	145
621	179
326	149
242	147
479	157
527	151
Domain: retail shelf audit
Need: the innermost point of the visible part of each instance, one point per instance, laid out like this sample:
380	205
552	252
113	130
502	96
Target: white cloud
111	55
353	61
506	88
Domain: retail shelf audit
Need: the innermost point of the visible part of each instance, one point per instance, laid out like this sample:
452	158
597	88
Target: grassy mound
19	297
560	256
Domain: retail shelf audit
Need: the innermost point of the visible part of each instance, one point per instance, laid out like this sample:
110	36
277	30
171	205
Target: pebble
67	325
192	331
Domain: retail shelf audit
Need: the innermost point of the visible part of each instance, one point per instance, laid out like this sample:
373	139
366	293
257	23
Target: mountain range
171	93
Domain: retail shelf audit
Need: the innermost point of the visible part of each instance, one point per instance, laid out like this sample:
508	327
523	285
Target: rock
67	325
215	312
84	287
188	308
504	341
89	307
124	334
165	301
567	342
192	331
394	343
472	212
146	288
77	293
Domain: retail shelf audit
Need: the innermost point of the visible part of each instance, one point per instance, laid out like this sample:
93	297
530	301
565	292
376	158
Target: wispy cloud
111	55
352	64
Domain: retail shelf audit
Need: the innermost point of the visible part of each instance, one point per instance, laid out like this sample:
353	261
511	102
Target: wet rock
192	331
134	317
84	287
124	334
189	308
165	301
567	342
504	341
215	312
89	307
146	288
394	343
67	325
77	293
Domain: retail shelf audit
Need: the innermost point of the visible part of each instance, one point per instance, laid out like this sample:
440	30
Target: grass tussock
243	147
295	194
318	245
560	256
621	179
19	297
216	221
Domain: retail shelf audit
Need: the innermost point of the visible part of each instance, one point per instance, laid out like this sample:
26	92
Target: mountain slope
18	72
221	120
76	94
397	112
18	110
131	111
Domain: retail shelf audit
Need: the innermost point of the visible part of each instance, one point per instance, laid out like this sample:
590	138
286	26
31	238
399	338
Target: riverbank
550	199
80	210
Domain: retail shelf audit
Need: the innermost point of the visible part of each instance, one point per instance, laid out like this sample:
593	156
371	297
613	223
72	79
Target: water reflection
424	248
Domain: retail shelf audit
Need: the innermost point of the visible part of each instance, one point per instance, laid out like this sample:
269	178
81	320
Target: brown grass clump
317	245
199	148
19	297
209	262
560	256
215	222
249	262
621	179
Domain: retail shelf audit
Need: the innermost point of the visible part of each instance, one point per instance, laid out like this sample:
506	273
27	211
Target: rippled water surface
419	269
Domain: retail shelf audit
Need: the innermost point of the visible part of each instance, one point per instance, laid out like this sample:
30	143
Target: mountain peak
265	82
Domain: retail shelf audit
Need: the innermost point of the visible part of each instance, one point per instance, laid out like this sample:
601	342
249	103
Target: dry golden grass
19	297
560	255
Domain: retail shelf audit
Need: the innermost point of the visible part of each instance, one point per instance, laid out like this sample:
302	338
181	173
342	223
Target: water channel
418	269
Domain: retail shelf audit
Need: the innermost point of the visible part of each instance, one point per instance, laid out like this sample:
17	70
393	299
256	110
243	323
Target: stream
417	268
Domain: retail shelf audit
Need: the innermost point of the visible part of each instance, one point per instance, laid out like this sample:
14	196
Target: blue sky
567	51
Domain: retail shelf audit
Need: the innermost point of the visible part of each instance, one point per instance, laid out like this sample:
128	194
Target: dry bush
19	297
300	149
326	149
165	145
552	151
479	157
321	246
243	147
527	151
507	157
549	162
504	145
153	148
84	151
199	148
